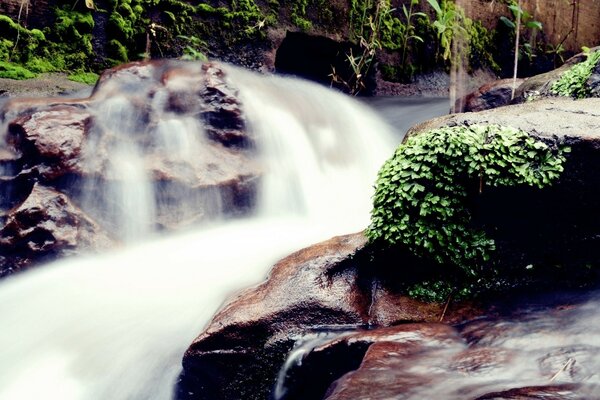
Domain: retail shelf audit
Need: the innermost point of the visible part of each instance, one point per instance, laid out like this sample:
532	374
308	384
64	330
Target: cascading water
115	326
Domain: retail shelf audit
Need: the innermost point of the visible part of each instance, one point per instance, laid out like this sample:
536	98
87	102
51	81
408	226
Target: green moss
421	197
40	65
89	78
481	46
13	71
117	51
572	83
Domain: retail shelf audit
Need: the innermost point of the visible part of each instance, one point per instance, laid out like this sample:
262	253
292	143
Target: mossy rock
542	238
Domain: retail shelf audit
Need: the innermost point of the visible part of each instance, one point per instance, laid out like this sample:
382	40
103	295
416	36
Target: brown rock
319	286
490	95
183	118
46	226
51	140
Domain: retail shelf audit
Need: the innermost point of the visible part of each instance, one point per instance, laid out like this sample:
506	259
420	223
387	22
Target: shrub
422	192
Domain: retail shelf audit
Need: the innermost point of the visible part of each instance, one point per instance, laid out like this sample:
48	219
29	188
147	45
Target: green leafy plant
421	194
368	32
408	33
13	71
194	49
449	23
572	83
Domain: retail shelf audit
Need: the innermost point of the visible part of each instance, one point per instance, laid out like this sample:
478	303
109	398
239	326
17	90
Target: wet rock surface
188	130
350	336
320	287
539	86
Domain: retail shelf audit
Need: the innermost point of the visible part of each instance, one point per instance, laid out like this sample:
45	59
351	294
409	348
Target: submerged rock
180	125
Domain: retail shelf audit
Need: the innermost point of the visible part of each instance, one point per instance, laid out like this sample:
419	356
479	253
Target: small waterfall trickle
116	326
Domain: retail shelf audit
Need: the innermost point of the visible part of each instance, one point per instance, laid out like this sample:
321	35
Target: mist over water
115	326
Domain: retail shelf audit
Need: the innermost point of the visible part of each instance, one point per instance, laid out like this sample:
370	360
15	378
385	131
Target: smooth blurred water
115	326
404	112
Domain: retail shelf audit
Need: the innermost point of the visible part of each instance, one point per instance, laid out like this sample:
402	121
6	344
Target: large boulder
243	347
45	226
180	124
556	227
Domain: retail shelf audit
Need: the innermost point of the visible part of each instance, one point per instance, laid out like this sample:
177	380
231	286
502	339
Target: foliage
573	82
481	45
13	71
422	191
367	33
449	24
523	19
89	78
194	50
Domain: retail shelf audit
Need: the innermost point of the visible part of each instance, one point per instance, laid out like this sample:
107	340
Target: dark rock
490	95
46	226
593	82
554	228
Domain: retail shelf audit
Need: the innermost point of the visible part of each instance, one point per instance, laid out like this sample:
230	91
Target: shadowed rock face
59	153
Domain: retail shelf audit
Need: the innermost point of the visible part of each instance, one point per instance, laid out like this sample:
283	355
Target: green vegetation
14	71
89	78
422	192
573	82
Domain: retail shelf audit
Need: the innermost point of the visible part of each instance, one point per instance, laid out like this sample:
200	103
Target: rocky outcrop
240	352
557	225
539	86
182	123
479	360
45	226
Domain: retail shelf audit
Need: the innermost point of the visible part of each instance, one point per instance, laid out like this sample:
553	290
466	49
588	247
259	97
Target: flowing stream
115	326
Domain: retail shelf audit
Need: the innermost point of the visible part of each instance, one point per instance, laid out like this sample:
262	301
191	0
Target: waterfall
115	326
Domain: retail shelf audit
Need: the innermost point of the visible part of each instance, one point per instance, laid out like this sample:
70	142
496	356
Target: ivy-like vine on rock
421	193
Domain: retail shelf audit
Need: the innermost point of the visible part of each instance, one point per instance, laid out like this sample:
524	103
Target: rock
490	95
512	358
51	140
557	225
181	124
539	86
241	350
593	82
361	361
46	226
